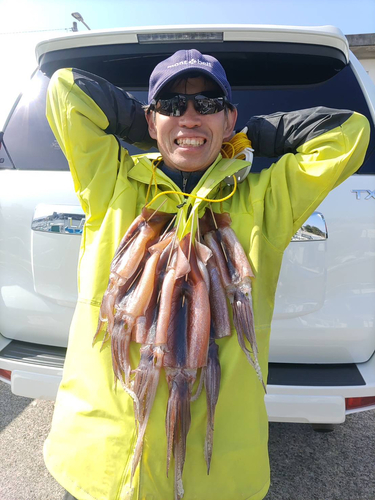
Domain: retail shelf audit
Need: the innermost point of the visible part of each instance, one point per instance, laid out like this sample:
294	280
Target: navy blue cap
184	61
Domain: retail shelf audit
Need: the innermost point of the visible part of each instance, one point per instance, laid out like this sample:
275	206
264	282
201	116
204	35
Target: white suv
322	362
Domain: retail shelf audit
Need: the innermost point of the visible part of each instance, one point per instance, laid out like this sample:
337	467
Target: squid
171	297
126	262
145	326
132	307
211	374
220	327
152	354
187	342
204	254
236	274
218	303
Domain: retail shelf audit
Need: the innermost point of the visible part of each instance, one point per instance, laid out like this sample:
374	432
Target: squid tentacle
178	420
241	320
147	396
212	386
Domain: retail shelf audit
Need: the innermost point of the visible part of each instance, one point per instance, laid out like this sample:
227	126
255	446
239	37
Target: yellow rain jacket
90	447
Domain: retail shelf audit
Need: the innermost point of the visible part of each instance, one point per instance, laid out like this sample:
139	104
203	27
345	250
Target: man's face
192	141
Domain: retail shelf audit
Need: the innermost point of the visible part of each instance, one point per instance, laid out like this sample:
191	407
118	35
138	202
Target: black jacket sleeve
279	133
125	114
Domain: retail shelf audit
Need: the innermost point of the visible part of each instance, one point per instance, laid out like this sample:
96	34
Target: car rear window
31	145
28	138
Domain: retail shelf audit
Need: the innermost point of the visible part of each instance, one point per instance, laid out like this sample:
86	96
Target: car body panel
34	265
324	304
328	36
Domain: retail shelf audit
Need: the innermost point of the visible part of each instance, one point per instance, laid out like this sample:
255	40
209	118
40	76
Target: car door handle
314	229
60	219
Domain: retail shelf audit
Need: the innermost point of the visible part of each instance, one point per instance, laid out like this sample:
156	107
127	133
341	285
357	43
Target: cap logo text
192	61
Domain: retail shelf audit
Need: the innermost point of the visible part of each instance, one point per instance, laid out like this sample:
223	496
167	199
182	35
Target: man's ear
231	118
150	117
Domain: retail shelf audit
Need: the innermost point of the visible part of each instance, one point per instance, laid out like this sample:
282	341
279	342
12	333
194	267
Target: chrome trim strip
68	219
60	219
314	229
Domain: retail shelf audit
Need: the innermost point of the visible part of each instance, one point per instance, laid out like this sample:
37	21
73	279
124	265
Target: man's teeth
190	141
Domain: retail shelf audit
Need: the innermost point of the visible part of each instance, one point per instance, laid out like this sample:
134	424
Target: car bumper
320	403
36	372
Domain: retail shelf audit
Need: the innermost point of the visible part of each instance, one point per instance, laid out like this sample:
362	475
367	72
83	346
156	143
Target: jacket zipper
185	178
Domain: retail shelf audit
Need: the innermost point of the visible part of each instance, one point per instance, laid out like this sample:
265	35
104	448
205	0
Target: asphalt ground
305	465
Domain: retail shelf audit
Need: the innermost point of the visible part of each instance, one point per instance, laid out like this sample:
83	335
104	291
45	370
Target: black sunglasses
176	104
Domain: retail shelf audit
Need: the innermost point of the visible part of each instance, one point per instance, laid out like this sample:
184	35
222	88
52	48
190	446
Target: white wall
369	65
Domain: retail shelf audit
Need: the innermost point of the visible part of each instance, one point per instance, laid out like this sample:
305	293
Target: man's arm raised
87	115
319	148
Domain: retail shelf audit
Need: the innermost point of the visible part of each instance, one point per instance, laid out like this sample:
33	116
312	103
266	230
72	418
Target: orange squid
127	261
133	307
152	354
172	298
187	348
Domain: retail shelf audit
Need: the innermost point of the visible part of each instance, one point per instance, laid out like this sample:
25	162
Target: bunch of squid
171	296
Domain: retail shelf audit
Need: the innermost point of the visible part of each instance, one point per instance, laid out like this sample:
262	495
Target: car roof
328	36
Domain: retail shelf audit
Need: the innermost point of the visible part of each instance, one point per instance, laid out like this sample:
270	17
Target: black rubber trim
36	354
314	375
278	373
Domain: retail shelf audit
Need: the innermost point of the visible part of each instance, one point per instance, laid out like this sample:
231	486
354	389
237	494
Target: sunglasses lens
208	106
176	105
179	105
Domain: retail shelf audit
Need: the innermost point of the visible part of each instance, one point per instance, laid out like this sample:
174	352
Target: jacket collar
217	172
188	208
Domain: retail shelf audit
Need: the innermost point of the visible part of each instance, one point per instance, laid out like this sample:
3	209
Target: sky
25	22
351	16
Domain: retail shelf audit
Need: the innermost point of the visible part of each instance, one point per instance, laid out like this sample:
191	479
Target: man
90	447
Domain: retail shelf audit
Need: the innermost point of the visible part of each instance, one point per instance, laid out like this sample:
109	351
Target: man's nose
191	118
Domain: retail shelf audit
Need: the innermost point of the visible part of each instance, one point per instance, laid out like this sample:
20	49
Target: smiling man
189	115
192	140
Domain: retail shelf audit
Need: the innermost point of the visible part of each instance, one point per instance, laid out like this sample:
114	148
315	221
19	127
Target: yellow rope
154	166
221	194
195	196
225	153
237	144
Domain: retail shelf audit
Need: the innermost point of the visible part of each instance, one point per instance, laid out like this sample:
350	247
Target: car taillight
355	403
6	374
197	36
